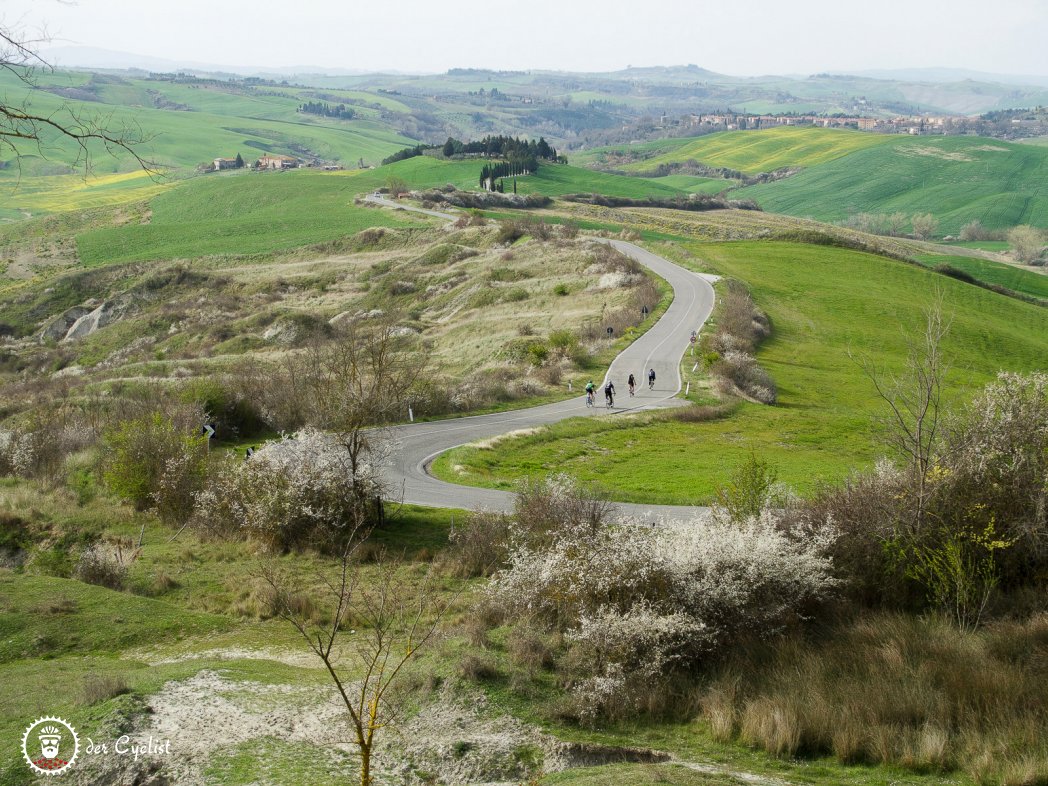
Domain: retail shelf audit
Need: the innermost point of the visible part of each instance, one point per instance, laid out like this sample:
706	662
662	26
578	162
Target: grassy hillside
185	125
956	179
244	213
239	214
553	180
1014	278
824	303
765	151
181	126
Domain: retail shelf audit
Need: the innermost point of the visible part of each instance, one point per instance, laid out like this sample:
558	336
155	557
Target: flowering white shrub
627	653
754	578
578	572
39	447
298	491
638	603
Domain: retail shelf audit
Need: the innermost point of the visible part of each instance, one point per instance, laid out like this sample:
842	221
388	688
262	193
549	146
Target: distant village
268	161
1008	123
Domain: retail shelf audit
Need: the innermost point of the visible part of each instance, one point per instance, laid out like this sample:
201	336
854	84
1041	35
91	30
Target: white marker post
411	414
208	431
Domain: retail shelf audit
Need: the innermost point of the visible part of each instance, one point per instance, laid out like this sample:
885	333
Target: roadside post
208	431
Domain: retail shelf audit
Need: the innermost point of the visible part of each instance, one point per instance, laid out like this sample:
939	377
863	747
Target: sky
742	37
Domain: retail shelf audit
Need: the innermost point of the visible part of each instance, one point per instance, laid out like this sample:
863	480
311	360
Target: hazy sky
745	37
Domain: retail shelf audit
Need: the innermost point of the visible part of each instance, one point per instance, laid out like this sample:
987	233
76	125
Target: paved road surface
661	348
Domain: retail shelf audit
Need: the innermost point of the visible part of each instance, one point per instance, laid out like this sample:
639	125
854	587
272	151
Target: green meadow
244	213
256	212
828	307
956	179
765	151
1012	277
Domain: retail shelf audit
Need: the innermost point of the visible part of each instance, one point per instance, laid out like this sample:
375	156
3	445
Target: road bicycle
589	398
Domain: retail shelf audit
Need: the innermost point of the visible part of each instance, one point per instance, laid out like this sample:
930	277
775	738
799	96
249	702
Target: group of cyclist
609	388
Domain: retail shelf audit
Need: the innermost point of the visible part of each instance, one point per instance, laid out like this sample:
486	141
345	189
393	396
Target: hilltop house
271	161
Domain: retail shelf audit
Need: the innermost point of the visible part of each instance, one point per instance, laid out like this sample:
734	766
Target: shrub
561	290
510	231
984	505
106	564
974	230
924	225
102	687
293	493
749	491
151	462
478	668
639	604
1027	244
739	373
479	546
516	295
728	351
39	445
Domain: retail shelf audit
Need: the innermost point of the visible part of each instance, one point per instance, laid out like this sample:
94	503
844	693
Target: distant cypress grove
339	111
520	156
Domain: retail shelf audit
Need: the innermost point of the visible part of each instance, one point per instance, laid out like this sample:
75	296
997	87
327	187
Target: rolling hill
956	179
753	152
260	212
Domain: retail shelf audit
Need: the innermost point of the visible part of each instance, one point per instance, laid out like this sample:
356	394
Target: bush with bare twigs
740	327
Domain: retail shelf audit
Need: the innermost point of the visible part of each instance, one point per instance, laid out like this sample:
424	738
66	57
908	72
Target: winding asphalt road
661	348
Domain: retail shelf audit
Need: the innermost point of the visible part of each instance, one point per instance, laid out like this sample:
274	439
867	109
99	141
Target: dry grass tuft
102	687
898	690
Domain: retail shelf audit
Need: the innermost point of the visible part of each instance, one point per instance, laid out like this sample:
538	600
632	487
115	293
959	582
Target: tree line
339	111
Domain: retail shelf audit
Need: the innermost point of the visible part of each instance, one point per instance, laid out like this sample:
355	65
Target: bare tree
1027	243
914	402
352	384
924	225
895	223
383	623
87	131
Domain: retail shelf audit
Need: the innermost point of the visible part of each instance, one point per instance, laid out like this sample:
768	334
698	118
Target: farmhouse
225	163
270	161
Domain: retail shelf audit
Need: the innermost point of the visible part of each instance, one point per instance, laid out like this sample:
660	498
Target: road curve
661	348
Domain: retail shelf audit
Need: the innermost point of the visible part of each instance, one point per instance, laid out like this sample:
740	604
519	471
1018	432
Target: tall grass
896	689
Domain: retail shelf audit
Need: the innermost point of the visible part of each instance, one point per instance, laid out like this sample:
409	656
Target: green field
182	126
1009	276
956	179
824	303
246	213
199	123
239	214
694	184
765	151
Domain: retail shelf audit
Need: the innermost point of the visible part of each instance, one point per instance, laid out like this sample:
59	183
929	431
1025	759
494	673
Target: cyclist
590	388
609	393
651	379
632	384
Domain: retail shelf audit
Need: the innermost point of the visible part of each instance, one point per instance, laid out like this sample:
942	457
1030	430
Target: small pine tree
240	161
